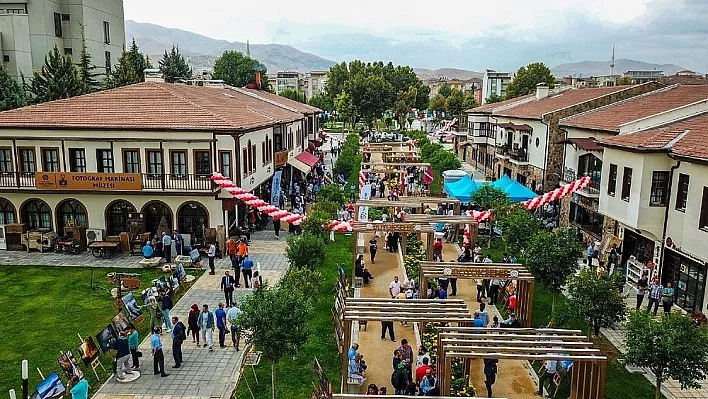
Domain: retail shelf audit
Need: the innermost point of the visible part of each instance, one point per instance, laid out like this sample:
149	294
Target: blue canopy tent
517	192
462	189
502	182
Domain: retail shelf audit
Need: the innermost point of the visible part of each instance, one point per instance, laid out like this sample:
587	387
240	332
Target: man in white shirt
211	254
551	368
408	287
395	287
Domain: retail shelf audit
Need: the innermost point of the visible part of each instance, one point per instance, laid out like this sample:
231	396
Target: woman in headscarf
192	322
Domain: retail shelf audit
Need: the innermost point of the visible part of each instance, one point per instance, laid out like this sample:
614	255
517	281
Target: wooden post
529	306
404	241
355	238
448	367
431	244
423	287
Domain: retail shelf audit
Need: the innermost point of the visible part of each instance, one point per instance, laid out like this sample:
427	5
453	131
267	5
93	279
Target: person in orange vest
232	250
242	253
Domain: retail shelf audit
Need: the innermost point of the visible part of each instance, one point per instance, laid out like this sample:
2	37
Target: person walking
667	298
166	307
232	316
387	325
232	251
494	291
642	289
211	254
227	285
193	323
490	373
429	384
206	326
276	227
406	355
483	314
655	293
133	343
122	357
550	370
373	247
179	334
220	315
157	355
395	287
247	270
167	247
179	242
590	254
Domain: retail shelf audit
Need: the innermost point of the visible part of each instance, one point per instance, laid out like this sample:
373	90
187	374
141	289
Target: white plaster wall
682	227
261	173
665	117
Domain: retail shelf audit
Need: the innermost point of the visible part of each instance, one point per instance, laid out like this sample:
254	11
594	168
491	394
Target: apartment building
292	80
29	30
583	156
521	137
148	148
315	82
655	184
644	76
494	82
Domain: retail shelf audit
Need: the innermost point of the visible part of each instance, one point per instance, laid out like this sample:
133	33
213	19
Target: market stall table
104	249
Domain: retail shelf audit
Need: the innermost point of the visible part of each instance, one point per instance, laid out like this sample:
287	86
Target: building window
50	159
117	217
179	163
105	161
7	212
244	158
131	161
659	188
626	183
106	32
202	163
18	11
703	222
6	58
612	181
688	278
682	192
269	149
225	163
71	212
591	166
108	61
254	157
5	160
77	160
66	17
263	150
27	160
36	214
68	51
249	152
586	219
154	162
278	138
57	25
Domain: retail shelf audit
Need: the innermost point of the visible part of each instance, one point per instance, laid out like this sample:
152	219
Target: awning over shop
304	161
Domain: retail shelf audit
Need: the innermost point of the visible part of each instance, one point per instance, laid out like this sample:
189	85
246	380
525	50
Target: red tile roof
153	106
519	128
300	107
671	137
611	117
536	109
587	144
488	108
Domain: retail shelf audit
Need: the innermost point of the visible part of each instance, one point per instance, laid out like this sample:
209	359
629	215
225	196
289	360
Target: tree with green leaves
11	93
517	224
344	106
454	102
670	347
370	95
596	298
437	104
527	78
59	78
124	72
277	318
237	69
624	81
295	95
337	77
552	258
405	100
174	67
140	61
321	101
87	70
331	193
493	98
307	250
489	197
445	90
469	102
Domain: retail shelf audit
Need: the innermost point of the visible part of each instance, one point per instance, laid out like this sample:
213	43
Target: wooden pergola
454	220
394	164
500	271
587	371
390	144
387	309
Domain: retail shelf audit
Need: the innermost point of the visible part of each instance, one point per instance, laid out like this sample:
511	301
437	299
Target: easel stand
95	364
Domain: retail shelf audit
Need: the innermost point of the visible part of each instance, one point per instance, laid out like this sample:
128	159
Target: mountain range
201	52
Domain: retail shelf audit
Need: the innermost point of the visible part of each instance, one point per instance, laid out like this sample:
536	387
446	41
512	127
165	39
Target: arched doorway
36	214
117	217
192	218
158	217
7	212
71	211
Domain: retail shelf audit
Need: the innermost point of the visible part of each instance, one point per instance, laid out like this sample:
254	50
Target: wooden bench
104	249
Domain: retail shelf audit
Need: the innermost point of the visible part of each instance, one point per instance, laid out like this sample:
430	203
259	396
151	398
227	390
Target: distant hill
451	73
201	51
598	68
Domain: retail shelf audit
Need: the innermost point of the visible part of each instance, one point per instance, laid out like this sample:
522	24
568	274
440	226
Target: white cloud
451	20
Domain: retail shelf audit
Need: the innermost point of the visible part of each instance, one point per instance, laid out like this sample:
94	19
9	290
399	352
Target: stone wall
554	165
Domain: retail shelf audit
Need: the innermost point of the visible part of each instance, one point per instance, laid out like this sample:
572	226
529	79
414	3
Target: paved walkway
84	259
204	374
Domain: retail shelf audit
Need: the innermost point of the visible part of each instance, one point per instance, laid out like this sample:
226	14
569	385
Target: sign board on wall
281	158
88	181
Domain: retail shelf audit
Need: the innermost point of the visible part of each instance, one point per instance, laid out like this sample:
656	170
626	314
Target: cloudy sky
456	33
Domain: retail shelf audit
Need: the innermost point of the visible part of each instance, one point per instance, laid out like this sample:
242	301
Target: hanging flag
275	189
428	176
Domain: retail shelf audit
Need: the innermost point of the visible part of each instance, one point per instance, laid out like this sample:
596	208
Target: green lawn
44	310
295	374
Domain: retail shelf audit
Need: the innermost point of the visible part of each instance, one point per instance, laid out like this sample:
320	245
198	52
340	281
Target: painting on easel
120	322
50	387
131	306
88	351
106	338
68	364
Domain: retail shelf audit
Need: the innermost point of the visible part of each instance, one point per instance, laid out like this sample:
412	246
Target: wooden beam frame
364	165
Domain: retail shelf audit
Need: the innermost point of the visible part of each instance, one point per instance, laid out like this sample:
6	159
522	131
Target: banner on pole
365	194
275	189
